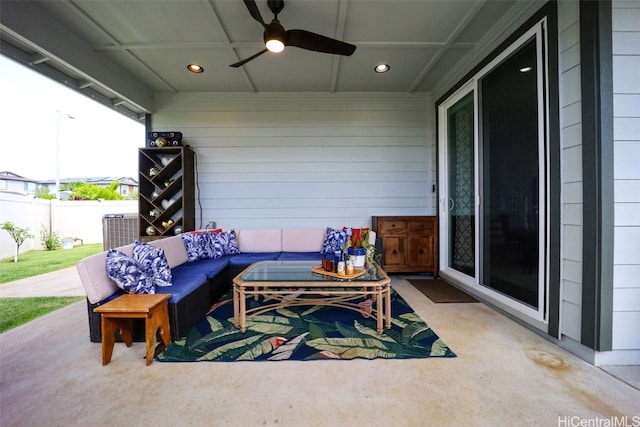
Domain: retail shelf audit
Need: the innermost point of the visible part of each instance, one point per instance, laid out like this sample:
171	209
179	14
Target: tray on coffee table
356	273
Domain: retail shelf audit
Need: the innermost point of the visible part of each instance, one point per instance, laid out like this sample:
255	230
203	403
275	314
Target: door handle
452	204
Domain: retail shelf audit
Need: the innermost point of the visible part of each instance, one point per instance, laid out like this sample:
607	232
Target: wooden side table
117	314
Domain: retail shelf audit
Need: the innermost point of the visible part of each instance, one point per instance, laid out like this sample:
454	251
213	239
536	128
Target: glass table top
298	271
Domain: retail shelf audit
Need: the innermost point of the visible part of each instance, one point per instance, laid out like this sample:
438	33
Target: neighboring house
13	182
527	149
128	185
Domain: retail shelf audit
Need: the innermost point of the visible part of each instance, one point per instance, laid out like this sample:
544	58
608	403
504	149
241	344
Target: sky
97	142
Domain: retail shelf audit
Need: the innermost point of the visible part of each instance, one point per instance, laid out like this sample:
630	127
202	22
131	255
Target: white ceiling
125	51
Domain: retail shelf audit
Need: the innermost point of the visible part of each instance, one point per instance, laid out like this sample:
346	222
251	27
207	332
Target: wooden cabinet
166	199
409	243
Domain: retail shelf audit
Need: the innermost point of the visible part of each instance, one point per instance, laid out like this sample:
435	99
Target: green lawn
32	263
17	311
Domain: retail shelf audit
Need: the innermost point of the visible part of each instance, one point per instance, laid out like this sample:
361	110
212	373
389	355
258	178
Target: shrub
50	239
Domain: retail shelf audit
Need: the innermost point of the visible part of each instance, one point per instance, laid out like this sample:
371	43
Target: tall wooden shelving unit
166	198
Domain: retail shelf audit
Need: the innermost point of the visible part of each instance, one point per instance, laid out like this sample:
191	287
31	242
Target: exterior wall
571	146
69	219
17	186
306	159
626	110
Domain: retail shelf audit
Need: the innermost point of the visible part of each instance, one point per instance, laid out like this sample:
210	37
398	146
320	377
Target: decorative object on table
153	213
361	246
341	268
154	195
356	273
164	139
168	182
328	265
349	267
177	230
167	224
153	171
306	333
150	231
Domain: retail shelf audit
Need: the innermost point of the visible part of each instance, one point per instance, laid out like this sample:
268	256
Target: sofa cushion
335	240
210	267
198	245
303	239
225	243
250	258
173	248
128	274
95	280
153	262
185	281
254	241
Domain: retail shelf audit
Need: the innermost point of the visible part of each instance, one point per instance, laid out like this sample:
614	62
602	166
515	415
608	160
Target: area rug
307	333
440	291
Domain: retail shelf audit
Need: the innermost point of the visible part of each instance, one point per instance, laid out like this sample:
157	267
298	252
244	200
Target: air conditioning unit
119	230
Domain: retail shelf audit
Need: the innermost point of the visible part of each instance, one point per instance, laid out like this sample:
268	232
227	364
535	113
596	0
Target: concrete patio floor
504	375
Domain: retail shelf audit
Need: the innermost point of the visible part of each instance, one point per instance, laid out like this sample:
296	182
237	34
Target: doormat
440	291
307	333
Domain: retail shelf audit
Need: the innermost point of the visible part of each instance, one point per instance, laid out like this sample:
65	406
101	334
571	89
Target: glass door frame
515	307
443	162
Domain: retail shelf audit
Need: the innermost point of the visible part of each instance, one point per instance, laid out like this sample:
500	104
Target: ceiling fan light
274	45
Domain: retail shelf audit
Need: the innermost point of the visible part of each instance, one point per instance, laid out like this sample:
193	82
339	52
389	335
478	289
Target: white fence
76	219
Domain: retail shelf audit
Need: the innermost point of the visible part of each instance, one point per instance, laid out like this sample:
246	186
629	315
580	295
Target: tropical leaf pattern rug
307	333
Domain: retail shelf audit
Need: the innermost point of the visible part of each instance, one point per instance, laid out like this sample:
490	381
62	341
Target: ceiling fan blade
244	61
254	11
312	41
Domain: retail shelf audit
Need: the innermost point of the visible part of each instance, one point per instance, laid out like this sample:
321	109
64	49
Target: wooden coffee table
117	314
293	283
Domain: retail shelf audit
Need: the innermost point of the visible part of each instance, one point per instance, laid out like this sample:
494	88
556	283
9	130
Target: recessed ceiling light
526	69
195	68
382	68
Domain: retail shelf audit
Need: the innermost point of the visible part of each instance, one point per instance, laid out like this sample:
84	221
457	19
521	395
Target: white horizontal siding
571	155
626	110
305	160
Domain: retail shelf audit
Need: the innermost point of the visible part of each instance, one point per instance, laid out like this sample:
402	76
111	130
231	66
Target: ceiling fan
276	38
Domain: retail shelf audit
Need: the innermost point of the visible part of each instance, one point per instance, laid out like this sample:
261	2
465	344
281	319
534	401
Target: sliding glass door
510	176
492	140
460	183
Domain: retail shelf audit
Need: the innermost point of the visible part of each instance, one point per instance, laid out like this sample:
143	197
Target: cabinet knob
421	251
395	252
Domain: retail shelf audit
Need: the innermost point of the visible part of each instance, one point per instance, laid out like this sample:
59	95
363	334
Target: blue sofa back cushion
128	274
302	256
210	267
250	258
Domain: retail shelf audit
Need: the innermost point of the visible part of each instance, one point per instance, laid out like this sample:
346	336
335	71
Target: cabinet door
395	251
421	251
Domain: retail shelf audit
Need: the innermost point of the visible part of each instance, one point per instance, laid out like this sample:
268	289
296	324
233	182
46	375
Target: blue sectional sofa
196	285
